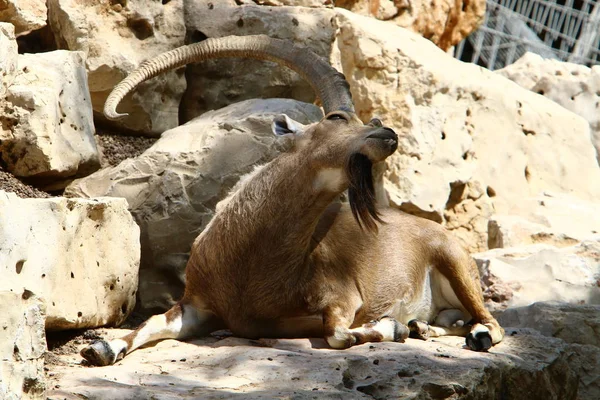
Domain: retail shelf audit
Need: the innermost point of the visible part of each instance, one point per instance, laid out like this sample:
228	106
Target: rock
173	187
116	37
48	127
8	56
577	324
573	86
80	256
519	276
445	22
25	15
572	323
295	3
306	368
216	83
451	165
559	220
22	346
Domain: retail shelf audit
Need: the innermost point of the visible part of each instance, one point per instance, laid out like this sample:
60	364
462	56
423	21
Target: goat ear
283	125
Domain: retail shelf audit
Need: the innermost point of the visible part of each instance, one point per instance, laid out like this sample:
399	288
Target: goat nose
385	133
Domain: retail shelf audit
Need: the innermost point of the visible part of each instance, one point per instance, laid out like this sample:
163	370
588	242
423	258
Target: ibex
283	258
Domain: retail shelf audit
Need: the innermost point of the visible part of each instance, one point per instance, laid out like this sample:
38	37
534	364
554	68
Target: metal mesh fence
566	30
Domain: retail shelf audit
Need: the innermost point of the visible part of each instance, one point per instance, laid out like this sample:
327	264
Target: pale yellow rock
8	56
80	256
444	22
22	346
25	15
47	122
519	276
116	40
573	86
472	143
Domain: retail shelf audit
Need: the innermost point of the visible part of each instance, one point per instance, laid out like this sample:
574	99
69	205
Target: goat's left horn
329	84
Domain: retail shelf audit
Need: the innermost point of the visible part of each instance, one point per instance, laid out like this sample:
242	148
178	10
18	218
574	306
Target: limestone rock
295	3
80	256
22	346
559	220
472	143
25	15
116	37
173	188
572	323
216	83
8	56
46	120
444	22
306	368
519	276
573	86
576	324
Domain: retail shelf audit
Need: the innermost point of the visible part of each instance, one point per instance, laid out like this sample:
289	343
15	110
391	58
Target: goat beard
361	192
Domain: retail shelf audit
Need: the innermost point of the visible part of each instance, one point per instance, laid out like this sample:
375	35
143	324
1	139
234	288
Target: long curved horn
329	84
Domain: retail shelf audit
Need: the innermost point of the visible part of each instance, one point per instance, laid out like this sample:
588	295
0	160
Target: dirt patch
9	183
115	148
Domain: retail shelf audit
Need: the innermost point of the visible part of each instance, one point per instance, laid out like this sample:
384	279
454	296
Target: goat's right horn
329	84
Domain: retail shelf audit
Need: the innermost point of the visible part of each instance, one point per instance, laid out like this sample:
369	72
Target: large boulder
472	143
573	86
80	256
578	325
216	83
445	22
172	188
22	346
8	57
306	369
25	15
46	116
556	219
519	276
117	36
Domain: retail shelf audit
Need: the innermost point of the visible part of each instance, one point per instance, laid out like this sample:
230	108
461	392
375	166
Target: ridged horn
329	84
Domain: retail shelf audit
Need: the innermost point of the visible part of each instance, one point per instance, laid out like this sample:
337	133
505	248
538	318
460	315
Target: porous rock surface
46	122
173	187
573	86
307	369
444	22
22	346
25	15
80	256
472	143
117	36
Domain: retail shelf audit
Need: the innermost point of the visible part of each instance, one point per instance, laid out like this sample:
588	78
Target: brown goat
284	258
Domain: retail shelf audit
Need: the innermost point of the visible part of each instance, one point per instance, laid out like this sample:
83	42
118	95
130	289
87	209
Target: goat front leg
338	319
181	322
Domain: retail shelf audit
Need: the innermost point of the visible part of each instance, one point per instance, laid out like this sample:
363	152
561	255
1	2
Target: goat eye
334	117
376	122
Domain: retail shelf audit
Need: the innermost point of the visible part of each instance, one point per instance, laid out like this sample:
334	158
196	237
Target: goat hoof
418	329
479	341
99	353
401	331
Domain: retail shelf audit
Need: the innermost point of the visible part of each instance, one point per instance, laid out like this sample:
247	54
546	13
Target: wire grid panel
566	30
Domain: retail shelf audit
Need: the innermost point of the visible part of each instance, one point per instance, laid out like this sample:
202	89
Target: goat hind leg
339	335
182	321
463	276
